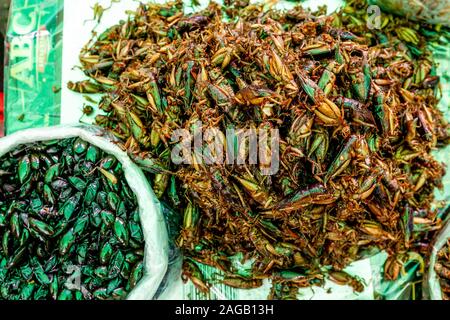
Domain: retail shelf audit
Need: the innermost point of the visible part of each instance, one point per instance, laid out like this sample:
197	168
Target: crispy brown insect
354	109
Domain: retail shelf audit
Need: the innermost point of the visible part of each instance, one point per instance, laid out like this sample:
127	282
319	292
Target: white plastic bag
153	225
429	11
431	281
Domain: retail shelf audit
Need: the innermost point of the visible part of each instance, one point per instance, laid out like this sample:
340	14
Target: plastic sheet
369	270
156	250
364	270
